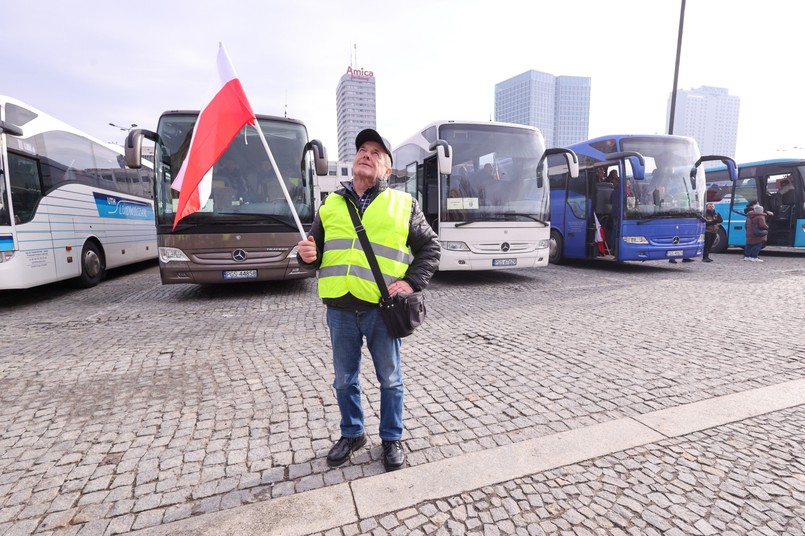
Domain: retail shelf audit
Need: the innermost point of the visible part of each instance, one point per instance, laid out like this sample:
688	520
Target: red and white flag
217	125
599	236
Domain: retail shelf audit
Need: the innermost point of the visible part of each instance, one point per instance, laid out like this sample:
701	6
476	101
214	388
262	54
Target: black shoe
343	448
672	261
707	259
393	455
687	260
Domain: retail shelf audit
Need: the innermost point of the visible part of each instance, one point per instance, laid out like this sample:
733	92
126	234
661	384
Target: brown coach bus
246	231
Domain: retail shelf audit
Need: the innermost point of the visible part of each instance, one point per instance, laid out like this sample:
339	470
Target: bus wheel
720	243
92	266
557	245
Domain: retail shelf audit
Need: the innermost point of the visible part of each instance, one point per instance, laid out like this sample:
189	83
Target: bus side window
746	190
26	189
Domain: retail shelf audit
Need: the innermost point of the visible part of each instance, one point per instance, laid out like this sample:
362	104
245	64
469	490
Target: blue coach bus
636	198
776	184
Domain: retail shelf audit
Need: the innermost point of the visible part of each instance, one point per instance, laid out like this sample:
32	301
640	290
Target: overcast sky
91	62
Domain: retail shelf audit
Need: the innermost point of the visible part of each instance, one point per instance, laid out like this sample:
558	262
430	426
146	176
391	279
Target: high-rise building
710	116
557	105
356	109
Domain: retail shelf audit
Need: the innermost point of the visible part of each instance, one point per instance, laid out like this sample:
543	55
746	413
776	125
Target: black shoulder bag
402	313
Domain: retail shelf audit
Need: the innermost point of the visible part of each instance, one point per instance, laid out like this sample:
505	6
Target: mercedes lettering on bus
246	231
636	198
483	188
69	207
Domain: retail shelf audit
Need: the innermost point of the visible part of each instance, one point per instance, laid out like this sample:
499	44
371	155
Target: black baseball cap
370	134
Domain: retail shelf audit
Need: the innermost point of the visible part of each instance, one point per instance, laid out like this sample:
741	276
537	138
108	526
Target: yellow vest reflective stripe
344	268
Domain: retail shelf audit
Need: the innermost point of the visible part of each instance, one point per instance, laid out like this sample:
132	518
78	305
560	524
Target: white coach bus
69	207
483	187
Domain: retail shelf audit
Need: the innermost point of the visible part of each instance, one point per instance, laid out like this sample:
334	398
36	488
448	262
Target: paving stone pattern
134	404
736	480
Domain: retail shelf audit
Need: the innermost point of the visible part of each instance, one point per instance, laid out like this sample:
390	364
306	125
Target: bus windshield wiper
482	218
524	215
256	219
467	222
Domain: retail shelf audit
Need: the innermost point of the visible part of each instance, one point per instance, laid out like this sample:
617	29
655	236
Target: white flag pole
279	178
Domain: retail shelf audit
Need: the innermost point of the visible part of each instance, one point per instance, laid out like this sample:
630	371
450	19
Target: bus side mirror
319	156
635	159
570	158
638	168
10	128
444	156
732	167
134	146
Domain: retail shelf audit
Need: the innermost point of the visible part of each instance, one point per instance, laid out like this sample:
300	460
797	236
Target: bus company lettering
128	208
134	210
359	74
116	207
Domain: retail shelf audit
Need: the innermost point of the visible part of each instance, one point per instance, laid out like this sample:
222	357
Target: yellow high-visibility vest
344	267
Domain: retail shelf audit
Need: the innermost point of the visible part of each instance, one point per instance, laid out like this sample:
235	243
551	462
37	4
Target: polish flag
217	125
599	235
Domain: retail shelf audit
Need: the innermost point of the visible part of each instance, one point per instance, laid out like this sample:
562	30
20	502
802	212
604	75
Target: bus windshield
667	190
245	189
494	175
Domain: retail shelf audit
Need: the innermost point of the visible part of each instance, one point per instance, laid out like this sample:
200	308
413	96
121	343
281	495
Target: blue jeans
753	250
347	330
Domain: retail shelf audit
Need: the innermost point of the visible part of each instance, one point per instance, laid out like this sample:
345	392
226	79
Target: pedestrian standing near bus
408	252
712	224
757	231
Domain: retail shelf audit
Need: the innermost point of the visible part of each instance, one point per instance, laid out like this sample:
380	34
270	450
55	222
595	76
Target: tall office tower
356	109
557	105
572	115
710	116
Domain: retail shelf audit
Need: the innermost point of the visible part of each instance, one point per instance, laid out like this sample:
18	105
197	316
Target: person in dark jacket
712	223
408	253
755	235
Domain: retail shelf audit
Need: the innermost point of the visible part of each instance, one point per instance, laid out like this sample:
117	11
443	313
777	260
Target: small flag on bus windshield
217	125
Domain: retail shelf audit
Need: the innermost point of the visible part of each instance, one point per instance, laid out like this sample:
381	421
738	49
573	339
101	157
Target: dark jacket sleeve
424	245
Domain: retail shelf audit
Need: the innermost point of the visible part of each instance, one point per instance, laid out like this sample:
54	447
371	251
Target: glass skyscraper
559	106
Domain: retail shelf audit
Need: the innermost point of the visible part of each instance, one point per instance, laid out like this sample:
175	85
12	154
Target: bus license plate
504	262
674	253
240	274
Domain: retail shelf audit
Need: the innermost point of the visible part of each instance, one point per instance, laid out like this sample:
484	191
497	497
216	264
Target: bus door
428	185
798	211
7	238
577	222
744	190
780	198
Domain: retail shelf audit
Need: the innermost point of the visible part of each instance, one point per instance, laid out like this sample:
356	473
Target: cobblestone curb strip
344	504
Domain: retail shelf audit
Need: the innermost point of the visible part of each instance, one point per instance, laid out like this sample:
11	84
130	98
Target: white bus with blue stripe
69	207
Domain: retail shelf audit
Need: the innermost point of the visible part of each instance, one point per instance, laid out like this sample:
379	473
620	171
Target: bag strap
367	248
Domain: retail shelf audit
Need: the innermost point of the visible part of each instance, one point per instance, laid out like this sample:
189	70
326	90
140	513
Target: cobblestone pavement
133	404
739	479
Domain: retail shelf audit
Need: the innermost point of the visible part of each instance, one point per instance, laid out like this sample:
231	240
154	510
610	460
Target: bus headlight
6	256
292	254
455	246
701	237
167	255
635	239
542	244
